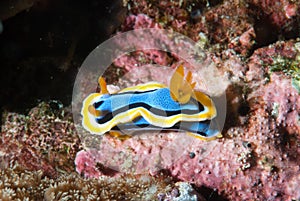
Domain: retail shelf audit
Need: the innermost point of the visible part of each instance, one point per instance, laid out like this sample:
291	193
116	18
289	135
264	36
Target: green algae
289	66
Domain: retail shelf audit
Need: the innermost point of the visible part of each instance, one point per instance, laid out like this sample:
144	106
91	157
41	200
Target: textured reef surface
255	47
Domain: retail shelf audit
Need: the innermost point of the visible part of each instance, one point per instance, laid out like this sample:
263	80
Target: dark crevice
106	170
244	108
267	33
292	31
287	143
210	194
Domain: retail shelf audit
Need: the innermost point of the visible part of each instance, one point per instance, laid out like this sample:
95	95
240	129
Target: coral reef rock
45	139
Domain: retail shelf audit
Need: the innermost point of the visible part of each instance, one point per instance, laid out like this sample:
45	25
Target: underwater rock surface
254	45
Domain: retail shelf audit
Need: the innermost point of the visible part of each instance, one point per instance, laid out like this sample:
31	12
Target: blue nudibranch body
151	106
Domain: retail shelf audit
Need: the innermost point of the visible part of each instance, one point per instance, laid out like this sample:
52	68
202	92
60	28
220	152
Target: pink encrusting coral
282	102
140	154
141	56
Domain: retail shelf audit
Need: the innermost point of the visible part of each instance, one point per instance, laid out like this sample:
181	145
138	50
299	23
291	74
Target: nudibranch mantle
151	106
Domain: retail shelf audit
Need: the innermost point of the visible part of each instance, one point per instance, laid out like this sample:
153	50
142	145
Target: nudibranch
151	106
